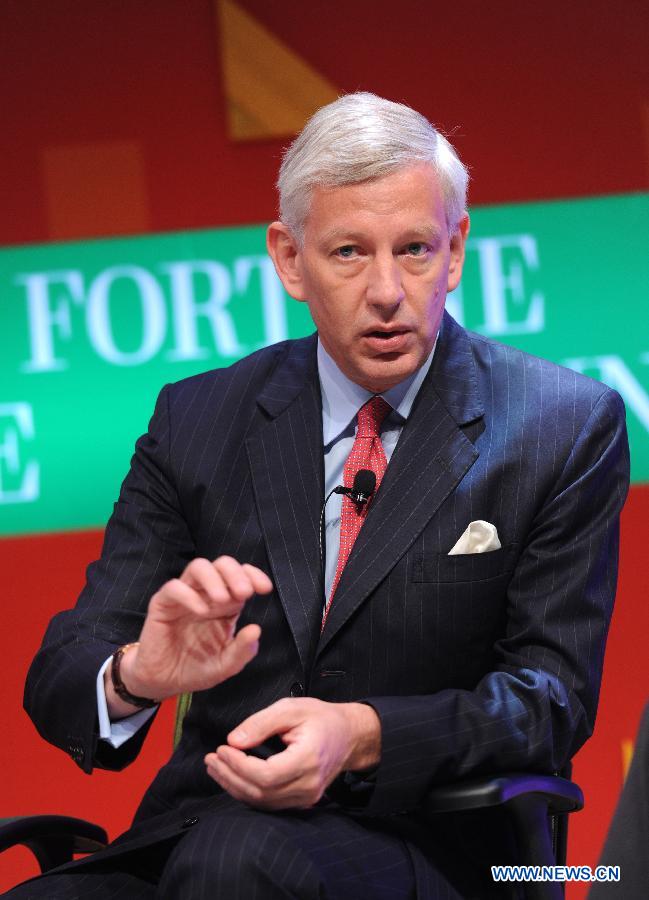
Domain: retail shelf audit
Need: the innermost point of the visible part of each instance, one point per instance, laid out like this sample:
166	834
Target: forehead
410	197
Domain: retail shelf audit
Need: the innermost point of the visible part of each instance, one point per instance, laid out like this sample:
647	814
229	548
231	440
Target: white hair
360	137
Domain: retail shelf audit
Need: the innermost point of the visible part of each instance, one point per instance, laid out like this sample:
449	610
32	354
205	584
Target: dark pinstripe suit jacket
474	663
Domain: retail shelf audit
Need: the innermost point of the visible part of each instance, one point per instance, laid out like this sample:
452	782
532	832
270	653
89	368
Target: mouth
387	339
385	332
385	335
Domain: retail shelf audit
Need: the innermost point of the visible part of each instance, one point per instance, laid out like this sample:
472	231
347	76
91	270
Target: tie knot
371	415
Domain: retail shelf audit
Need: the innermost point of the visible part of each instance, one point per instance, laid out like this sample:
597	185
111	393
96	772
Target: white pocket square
479	537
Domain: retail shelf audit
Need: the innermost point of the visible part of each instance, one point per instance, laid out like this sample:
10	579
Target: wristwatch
120	687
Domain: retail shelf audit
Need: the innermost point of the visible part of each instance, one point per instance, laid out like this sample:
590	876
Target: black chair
537	807
52	839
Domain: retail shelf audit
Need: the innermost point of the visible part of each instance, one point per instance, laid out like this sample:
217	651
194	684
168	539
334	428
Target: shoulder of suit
250	371
536	375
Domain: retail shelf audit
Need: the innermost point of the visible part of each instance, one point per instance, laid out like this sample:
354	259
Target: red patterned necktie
367	453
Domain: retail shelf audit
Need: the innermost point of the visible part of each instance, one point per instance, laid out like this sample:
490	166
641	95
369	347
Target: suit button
297	689
192	820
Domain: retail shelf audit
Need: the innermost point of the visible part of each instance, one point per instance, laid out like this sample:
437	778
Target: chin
386	374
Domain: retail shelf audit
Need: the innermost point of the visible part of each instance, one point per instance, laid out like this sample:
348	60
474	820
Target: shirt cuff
117	733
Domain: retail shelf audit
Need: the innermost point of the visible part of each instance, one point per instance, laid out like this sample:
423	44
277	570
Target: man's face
375	266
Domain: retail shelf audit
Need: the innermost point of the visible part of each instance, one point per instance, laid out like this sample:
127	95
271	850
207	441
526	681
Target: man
627	839
409	658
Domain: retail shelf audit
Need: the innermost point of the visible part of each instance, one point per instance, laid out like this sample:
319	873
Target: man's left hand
322	740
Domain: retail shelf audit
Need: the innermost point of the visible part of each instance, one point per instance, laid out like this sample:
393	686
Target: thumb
241	649
278	718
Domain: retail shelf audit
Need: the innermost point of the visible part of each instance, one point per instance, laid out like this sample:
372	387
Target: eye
416	248
347	251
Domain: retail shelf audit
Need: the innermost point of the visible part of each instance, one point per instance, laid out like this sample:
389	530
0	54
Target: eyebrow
429	233
418	233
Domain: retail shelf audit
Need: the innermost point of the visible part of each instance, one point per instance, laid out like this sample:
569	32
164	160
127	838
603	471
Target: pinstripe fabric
89	885
310	855
473	663
242	854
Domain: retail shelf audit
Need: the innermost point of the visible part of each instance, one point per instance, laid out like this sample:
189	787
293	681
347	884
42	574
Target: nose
384	286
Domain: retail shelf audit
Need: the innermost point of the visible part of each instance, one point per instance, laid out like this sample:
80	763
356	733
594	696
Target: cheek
429	301
335	307
332	320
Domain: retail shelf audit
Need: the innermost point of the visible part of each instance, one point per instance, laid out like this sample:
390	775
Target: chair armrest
52	839
536	806
560	795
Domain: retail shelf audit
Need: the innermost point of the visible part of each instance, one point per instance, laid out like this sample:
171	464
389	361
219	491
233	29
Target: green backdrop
90	331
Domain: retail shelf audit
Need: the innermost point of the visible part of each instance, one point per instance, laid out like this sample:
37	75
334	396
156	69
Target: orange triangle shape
271	91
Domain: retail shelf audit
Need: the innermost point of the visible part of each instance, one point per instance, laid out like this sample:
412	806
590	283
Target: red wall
548	100
544	100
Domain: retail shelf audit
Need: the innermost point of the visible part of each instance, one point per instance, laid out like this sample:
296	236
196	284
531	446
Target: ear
458	247
286	255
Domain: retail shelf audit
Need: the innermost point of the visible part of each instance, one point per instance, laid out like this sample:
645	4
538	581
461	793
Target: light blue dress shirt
341	400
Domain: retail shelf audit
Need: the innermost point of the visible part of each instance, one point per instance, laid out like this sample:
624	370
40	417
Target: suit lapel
432	455
286	463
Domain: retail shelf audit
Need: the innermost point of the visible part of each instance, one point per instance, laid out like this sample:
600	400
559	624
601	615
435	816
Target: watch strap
120	688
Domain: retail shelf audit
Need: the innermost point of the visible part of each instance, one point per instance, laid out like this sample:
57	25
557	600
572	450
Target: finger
260	580
240	650
176	599
202	576
245	791
254	786
249	768
277	771
277	718
235	577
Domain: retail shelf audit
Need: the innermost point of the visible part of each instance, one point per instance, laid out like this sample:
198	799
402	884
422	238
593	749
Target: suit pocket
444	569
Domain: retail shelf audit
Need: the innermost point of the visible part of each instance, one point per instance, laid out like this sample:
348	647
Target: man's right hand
188	640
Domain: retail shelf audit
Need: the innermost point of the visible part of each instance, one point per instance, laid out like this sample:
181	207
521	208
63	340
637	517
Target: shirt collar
342	398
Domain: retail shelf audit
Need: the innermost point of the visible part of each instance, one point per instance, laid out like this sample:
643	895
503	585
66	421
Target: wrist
365	725
124	686
117	708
